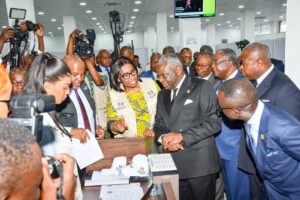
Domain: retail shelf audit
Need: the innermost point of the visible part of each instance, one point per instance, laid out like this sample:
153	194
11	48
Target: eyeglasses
127	75
163	76
218	63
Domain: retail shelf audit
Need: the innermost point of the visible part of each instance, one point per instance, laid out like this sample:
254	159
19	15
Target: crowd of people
230	122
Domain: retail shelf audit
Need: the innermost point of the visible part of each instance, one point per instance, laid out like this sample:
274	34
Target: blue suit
278	153
148	74
236	182
280	91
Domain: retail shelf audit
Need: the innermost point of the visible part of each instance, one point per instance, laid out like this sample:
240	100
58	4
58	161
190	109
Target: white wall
232	35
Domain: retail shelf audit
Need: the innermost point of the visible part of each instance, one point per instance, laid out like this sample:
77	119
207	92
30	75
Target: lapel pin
262	136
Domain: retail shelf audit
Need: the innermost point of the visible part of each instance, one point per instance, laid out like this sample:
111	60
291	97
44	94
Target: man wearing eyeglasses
272	87
228	140
185	124
272	138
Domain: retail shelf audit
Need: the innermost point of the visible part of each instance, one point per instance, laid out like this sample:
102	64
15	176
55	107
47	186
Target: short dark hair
136	56
185	49
16	155
169	49
115	73
45	67
206	48
209	54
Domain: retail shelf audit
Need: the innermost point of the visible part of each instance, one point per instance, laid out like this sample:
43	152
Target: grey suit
66	111
194	115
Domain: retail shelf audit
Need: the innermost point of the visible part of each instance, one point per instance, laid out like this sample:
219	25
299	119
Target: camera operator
24	173
40	29
51	76
88	60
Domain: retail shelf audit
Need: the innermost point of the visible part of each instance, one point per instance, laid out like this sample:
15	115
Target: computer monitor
194	8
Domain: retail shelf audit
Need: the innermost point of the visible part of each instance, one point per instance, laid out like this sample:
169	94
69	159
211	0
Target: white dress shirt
178	87
262	77
206	77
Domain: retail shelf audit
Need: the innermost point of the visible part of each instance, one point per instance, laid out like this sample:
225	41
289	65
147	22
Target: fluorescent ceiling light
82	3
138	2
136	10
133	17
88	11
241	6
221	14
40	13
53	20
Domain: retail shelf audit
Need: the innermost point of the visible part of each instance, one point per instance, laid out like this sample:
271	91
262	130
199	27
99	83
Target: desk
129	147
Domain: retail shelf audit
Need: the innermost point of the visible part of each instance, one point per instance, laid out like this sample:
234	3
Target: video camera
84	44
242	44
25	109
20	35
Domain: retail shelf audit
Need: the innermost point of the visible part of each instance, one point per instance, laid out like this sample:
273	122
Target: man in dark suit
272	137
104	62
187	55
228	140
203	66
153	66
272	86
185	124
77	112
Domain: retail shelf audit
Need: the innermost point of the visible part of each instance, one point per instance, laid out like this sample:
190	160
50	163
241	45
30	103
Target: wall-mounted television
194	8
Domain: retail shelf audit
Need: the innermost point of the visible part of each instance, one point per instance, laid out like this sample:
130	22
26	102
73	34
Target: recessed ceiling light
82	3
98	23
266	20
3	26
94	18
62	25
228	22
258	12
53	20
88	11
100	26
52	35
130	25
133	17
221	14
237	27
131	22
40	13
230	25
241	6
219	24
281	17
171	16
136	10
239	18
49	33
138	2
128	31
285	4
171	27
105	32
207	20
59	28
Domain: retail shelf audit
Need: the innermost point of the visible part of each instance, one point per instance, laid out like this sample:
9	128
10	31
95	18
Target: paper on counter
87	153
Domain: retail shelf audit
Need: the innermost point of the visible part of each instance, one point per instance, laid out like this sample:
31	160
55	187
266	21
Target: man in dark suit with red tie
272	86
185	124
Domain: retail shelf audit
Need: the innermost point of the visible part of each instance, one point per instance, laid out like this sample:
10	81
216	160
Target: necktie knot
254	82
174	95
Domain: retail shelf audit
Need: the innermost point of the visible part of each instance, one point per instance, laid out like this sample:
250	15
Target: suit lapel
167	100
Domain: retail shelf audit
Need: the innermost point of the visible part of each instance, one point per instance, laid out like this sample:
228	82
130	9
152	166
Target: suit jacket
147	74
278	153
66	111
194	115
280	91
228	140
279	64
192	71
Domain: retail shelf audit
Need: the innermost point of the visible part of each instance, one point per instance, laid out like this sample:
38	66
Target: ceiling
271	10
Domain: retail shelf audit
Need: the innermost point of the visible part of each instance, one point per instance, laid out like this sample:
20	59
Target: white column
24	4
69	26
248	26
275	27
161	31
211	36
292	41
150	40
190	33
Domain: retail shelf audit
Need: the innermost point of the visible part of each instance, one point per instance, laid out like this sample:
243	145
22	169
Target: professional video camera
25	109
84	44
242	44
117	30
20	35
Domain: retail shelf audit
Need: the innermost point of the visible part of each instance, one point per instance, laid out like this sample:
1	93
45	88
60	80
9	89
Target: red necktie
83	111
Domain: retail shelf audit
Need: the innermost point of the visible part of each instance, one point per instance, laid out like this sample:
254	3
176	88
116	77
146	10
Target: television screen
195	8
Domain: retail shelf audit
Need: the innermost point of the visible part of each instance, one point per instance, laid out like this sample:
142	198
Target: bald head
77	68
127	52
258	51
238	94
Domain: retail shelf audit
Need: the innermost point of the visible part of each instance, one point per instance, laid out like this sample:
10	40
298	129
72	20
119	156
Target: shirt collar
180	83
255	119
206	77
264	75
232	75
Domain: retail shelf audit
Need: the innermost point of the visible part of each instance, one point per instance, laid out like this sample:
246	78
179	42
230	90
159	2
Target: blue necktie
249	140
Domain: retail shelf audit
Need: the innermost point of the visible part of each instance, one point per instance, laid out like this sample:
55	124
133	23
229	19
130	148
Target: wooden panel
128	147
